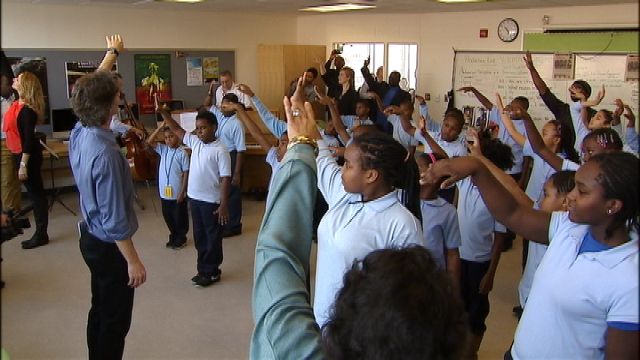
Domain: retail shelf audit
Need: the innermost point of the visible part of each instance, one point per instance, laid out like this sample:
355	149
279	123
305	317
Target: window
404	59
355	54
393	57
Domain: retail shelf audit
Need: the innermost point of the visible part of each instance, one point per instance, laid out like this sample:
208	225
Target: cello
143	163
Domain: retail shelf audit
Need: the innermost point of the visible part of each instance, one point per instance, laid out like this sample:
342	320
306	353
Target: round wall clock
508	30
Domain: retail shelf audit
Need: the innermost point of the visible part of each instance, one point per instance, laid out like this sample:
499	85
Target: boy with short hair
208	191
173	174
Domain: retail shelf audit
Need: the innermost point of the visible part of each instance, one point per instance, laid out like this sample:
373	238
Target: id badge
168	191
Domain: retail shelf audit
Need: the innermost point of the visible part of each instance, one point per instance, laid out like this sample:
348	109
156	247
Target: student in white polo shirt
364	211
208	191
584	300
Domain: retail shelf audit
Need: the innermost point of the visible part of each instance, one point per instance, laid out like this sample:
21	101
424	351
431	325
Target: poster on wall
153	77
211	68
194	71
633	68
37	66
563	67
76	69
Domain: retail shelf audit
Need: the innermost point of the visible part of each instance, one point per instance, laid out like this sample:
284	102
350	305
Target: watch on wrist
113	51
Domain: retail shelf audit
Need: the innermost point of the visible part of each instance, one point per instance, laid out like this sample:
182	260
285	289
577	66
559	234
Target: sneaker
195	279
169	245
179	246
204	281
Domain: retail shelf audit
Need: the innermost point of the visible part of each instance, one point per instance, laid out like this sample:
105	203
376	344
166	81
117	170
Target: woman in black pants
20	123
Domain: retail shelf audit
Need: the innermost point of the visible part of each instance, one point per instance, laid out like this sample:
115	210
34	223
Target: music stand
54	191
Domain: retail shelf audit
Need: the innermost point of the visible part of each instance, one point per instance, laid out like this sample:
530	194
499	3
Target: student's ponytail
409	182
399	170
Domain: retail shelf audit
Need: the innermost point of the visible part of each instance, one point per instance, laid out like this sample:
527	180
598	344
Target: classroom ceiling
383	6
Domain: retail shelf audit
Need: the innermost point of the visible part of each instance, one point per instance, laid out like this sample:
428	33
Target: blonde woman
19	124
349	96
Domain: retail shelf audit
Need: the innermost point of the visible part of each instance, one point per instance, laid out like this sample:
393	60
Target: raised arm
168	121
405	121
115	46
283	316
336	119
508	123
253	128
535	76
275	125
151	140
431	125
208	100
435	147
595	101
505	179
368	77
483	99
522	219
535	139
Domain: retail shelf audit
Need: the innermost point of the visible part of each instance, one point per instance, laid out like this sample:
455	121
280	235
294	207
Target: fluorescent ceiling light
460	1
183	1
338	7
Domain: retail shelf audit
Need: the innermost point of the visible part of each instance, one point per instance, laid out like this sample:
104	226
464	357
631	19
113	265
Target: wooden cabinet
279	65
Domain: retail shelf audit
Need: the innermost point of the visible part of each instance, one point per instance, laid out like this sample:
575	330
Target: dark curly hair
619	178
396	304
496	151
382	152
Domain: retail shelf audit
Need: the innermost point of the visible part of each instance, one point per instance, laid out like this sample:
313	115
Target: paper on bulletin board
633	68
211	68
563	67
194	71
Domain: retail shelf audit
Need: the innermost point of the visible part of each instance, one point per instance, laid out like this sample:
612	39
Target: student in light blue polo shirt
584	299
482	239
173	174
439	221
231	134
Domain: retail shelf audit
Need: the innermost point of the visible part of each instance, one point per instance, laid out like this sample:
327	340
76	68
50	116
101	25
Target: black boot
41	217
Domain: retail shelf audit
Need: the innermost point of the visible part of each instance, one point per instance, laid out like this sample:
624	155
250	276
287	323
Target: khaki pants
11	188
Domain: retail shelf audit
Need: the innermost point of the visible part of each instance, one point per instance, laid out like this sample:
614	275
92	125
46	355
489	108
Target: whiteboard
506	73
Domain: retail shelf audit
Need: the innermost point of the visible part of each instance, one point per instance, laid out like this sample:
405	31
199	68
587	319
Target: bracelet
113	51
303	139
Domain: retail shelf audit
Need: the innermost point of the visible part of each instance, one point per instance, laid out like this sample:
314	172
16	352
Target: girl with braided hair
366	209
584	296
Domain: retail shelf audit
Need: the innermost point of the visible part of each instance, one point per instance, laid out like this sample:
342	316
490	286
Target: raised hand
392	109
630	116
322	98
528	61
245	89
452	170
300	116
366	62
115	41
619	108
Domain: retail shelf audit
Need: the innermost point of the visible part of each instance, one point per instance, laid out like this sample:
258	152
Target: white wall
26	25
438	34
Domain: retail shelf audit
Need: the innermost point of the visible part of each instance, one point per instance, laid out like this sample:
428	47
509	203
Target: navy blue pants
111	298
235	200
207	236
177	218
476	304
